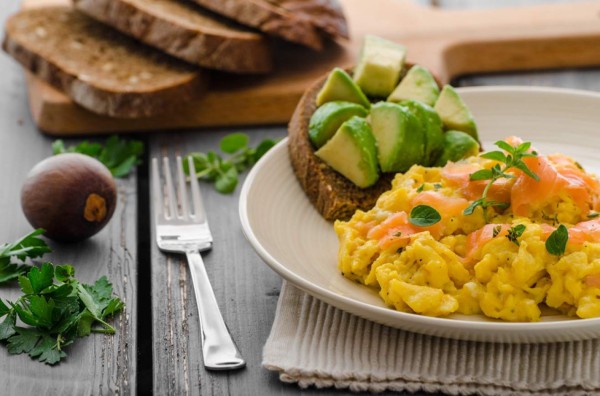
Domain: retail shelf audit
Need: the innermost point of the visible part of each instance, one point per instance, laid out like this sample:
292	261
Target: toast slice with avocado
333	195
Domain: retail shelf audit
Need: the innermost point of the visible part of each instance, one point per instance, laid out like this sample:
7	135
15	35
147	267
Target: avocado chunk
400	142
379	65
328	118
340	86
351	152
457	145
431	127
454	112
418	84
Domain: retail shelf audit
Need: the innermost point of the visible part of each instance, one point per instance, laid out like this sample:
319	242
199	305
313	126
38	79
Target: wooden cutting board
448	42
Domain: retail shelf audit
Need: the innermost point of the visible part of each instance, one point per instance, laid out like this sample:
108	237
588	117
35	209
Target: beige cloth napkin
312	343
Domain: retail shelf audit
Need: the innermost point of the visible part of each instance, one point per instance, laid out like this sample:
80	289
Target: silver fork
187	232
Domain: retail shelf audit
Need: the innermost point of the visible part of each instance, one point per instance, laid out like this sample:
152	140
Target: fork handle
218	348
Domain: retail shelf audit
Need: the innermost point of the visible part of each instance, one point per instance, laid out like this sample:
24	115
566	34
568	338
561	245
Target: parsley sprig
119	155
58	309
14	255
212	167
512	159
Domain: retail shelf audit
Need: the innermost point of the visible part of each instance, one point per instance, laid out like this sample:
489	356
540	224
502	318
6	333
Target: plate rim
338	300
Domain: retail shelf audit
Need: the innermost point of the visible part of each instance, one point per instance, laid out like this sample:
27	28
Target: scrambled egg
474	263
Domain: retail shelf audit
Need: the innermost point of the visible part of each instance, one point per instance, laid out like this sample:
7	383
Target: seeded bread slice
99	68
300	21
186	31
334	196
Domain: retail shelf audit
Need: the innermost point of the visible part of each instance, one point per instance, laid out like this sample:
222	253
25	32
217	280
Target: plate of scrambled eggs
509	255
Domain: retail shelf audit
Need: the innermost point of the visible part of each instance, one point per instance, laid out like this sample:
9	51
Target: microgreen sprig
512	159
224	173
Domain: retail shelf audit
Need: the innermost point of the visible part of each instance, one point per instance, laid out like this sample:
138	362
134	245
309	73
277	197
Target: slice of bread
300	21
334	196
186	31
98	67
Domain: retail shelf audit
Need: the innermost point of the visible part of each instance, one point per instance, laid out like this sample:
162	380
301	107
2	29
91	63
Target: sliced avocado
340	86
418	84
400	142
351	152
431	127
379	66
454	112
329	117
457	145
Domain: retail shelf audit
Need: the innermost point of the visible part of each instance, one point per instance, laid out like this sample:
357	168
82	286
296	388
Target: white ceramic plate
292	238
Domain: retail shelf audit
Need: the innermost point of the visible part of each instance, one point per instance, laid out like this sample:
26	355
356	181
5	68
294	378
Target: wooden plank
98	364
448	42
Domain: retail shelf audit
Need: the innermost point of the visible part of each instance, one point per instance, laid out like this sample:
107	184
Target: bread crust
304	23
334	196
185	31
62	70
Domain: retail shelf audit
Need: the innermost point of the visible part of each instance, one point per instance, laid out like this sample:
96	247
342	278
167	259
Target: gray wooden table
156	348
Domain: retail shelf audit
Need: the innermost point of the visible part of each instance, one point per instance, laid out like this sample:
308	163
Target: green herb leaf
30	246
57	313
515	232
511	160
226	181
472	206
556	243
421	187
7	327
494	155
496	231
424	216
224	173
482	174
120	156
234	142
593	215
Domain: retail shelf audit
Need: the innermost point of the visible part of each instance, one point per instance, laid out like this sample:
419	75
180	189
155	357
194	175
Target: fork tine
156	190
171	197
199	214
181	185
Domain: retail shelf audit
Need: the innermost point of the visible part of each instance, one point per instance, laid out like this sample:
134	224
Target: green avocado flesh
400	143
329	117
457	145
379	66
418	84
454	112
351	152
431	127
340	86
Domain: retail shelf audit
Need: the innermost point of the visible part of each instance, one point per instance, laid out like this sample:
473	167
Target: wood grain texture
449	42
98	364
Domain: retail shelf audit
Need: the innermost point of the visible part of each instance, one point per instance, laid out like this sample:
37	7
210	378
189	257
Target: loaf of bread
98	67
300	21
334	196
186	31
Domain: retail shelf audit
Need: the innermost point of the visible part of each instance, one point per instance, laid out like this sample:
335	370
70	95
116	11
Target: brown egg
72	196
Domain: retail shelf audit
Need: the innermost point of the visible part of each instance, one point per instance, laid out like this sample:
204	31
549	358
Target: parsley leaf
13	254
556	243
224	173
120	156
424	216
58	309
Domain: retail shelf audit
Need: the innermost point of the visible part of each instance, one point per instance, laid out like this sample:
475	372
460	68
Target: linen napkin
314	344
